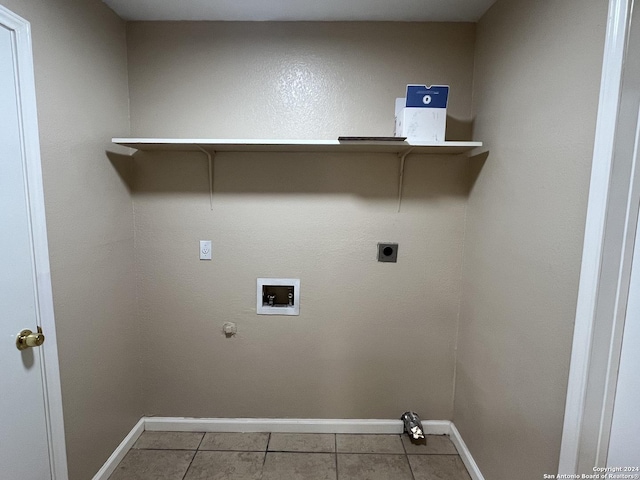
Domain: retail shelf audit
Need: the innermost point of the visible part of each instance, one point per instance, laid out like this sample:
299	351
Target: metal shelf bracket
210	156
402	156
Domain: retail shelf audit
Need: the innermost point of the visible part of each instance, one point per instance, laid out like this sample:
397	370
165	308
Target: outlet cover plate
205	249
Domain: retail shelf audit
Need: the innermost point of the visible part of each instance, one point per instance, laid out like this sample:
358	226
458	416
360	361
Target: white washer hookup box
278	296
422	115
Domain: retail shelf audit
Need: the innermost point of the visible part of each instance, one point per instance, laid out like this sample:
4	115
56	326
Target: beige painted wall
290	80
536	81
81	81
366	329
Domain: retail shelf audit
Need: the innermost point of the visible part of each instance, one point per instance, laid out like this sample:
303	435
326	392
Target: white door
608	260
624	443
26	436
624	440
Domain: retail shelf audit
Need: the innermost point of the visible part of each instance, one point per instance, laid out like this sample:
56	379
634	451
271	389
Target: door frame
612	216
25	82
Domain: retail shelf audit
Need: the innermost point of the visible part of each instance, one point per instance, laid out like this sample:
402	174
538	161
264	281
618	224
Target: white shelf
326	146
211	146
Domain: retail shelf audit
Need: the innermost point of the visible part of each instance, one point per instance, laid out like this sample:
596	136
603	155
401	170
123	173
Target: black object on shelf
372	139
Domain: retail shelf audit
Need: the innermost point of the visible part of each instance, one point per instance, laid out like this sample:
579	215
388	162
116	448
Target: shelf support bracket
210	157
402	156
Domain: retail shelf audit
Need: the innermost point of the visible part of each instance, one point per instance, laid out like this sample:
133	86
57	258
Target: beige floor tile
169	440
153	465
438	467
302	442
247	442
369	444
431	445
299	466
226	466
373	467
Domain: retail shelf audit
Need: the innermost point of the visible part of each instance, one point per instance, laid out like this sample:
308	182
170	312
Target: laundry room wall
536	87
372	339
82	99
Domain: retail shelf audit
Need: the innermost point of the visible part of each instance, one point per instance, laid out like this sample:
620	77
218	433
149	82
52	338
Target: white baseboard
465	454
284	425
287	425
120	451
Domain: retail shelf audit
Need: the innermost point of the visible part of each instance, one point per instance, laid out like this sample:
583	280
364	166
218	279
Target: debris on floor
413	425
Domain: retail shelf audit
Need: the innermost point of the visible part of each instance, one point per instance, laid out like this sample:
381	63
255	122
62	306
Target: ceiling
302	10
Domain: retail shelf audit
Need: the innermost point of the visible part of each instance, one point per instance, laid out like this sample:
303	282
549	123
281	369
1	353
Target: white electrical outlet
205	249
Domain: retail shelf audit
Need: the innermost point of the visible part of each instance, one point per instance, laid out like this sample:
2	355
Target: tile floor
288	456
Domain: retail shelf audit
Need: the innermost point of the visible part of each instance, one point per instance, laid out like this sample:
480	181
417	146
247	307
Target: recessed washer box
278	296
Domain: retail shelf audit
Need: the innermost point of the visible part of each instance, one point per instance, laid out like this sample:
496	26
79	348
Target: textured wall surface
81	82
365	329
536	81
291	80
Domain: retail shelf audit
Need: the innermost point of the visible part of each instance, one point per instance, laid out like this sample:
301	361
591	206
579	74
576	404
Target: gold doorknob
26	339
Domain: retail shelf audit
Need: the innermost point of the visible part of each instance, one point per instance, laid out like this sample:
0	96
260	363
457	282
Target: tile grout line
335	443
204	434
308	452
267	447
406	456
238	451
296	451
264	460
315	452
194	456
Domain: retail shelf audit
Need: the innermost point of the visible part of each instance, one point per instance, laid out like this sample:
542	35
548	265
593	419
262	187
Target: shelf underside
308	146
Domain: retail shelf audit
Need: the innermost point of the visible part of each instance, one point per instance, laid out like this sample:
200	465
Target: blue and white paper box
421	96
422	115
